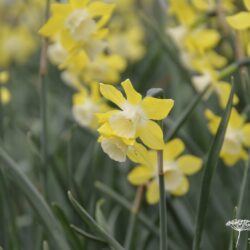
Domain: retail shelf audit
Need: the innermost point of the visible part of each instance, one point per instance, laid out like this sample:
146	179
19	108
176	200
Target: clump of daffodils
92	42
133	122
237	137
197	40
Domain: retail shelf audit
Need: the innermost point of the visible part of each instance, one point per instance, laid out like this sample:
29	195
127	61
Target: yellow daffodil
16	45
5	95
135	115
237	136
241	20
79	23
86	104
220	88
176	166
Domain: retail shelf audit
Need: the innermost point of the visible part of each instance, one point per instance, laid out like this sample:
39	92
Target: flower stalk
163	225
43	69
133	217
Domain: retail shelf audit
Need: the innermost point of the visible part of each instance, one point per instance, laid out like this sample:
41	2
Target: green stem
133	218
43	104
163	225
243	191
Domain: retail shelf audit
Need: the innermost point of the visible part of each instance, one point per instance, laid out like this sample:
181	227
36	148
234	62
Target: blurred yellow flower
4	77
86	104
176	167
134	117
16	45
241	20
220	88
236	138
79	24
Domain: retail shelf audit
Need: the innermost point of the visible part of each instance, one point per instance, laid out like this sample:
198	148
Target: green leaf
127	205
75	242
36	200
209	170
93	224
87	235
99	216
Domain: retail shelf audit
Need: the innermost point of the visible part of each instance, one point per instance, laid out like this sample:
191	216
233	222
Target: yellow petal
231	159
114	148
214	121
52	26
239	21
4	77
172	149
236	120
247	4
105	130
189	164
79	97
112	94
151	135
157	109
104	117
153	194
182	188
223	89
138	153
248	49
133	96
140	175
5	95
246	135
122	126
100	9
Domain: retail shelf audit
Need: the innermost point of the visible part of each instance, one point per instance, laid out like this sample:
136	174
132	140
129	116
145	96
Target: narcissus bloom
237	136
85	104
220	88
176	166
135	115
241	20
79	23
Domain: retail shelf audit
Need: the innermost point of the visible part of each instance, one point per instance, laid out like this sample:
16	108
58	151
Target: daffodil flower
79	23
241	20
176	167
220	88
86	104
237	136
135	115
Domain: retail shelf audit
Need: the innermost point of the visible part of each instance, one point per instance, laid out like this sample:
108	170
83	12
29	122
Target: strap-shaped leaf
87	235
75	242
209	170
92	223
10	167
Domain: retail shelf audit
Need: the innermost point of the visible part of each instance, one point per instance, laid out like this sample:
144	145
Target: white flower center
84	113
172	175
126	122
233	139
80	25
115	149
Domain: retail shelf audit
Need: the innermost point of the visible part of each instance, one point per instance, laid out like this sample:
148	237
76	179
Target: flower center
80	25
